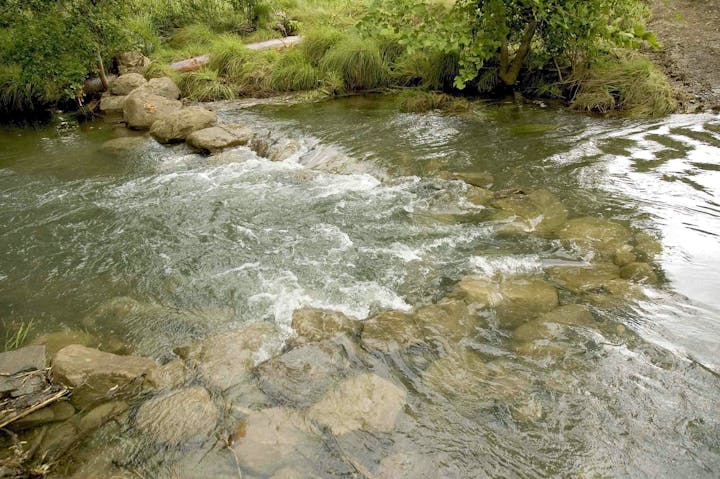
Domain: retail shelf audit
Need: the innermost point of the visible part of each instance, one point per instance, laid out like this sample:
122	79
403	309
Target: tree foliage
510	34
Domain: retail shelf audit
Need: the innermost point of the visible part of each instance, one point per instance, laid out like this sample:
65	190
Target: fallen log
192	64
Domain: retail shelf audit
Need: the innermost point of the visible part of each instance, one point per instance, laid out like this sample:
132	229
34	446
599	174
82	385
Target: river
366	217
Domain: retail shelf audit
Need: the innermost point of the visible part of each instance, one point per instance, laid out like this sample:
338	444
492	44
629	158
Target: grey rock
180	416
132	62
124	84
56	412
163	87
142	108
217	138
177	125
313	324
112	104
124	145
98	416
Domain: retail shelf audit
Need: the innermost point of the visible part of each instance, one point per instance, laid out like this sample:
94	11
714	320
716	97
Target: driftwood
192	64
14	408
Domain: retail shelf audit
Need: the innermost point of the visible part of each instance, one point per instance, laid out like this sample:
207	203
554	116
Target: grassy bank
344	51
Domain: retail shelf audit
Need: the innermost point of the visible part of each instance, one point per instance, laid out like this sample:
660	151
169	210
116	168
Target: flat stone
448	319
227	360
312	324
96	376
175	126
365	402
98	416
168	376
58	411
598	236
124	84
216	138
59	438
163	87
180	416
13	368
301	376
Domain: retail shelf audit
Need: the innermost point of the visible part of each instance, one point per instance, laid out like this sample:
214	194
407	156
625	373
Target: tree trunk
101	71
510	70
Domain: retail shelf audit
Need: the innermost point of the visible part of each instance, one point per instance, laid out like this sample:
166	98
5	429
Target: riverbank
689	31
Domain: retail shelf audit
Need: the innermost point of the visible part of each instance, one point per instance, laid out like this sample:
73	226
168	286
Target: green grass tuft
205	85
15	94
192	35
317	42
19	336
294	73
228	56
359	62
419	101
254	78
632	86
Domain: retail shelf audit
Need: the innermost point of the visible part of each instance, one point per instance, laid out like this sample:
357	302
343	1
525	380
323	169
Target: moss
204	85
418	101
359	62
631	85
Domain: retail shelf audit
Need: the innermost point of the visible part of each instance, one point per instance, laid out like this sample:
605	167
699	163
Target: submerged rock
449	319
300	376
58	340
124	145
482	179
584	279
98	416
365	402
514	300
479	196
284	149
180	416
647	247
124	84
177	125
96	376
595	235
268	440
168	376
227	360
639	272
624	255
312	324
56	412
538	212
392	330
217	138
141	109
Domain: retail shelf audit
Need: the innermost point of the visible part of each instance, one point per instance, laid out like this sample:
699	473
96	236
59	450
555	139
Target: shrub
359	63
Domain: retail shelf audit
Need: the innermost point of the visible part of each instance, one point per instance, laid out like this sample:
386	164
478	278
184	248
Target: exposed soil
689	31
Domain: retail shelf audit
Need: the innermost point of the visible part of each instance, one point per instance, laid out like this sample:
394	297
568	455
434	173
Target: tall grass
318	41
19	334
359	62
632	86
205	85
293	72
16	94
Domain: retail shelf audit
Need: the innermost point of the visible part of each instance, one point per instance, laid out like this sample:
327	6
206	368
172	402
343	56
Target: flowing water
363	219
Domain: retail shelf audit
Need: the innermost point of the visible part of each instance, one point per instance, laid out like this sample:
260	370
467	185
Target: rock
407	465
271	439
219	137
142	109
595	235
54	342
226	360
95	375
124	84
14	365
132	62
124	146
301	376
457	374
216	464
624	255
392	330
449	319
365	402
169	376
514	300
647	247
312	324
56	412
584	279
639	273
569	315
163	87
284	149
180	416
59	438
112	104
537	212
482	179
479	196
552	325
100	415
177	125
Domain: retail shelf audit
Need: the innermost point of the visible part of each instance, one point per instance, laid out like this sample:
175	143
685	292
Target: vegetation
569	49
17	334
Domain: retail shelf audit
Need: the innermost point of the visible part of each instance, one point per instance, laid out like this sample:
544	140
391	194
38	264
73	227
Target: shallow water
360	220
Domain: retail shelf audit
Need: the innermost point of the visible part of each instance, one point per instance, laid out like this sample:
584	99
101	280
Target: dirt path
690	33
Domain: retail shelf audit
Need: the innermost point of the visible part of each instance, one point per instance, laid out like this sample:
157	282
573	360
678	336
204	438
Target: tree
505	33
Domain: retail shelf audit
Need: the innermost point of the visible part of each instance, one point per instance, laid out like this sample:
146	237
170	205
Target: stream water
364	218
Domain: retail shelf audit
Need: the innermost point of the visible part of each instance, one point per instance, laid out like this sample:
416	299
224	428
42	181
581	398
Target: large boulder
312	324
124	84
163	86
227	360
179	416
97	376
365	402
132	62
216	138
112	104
177	125
142	108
